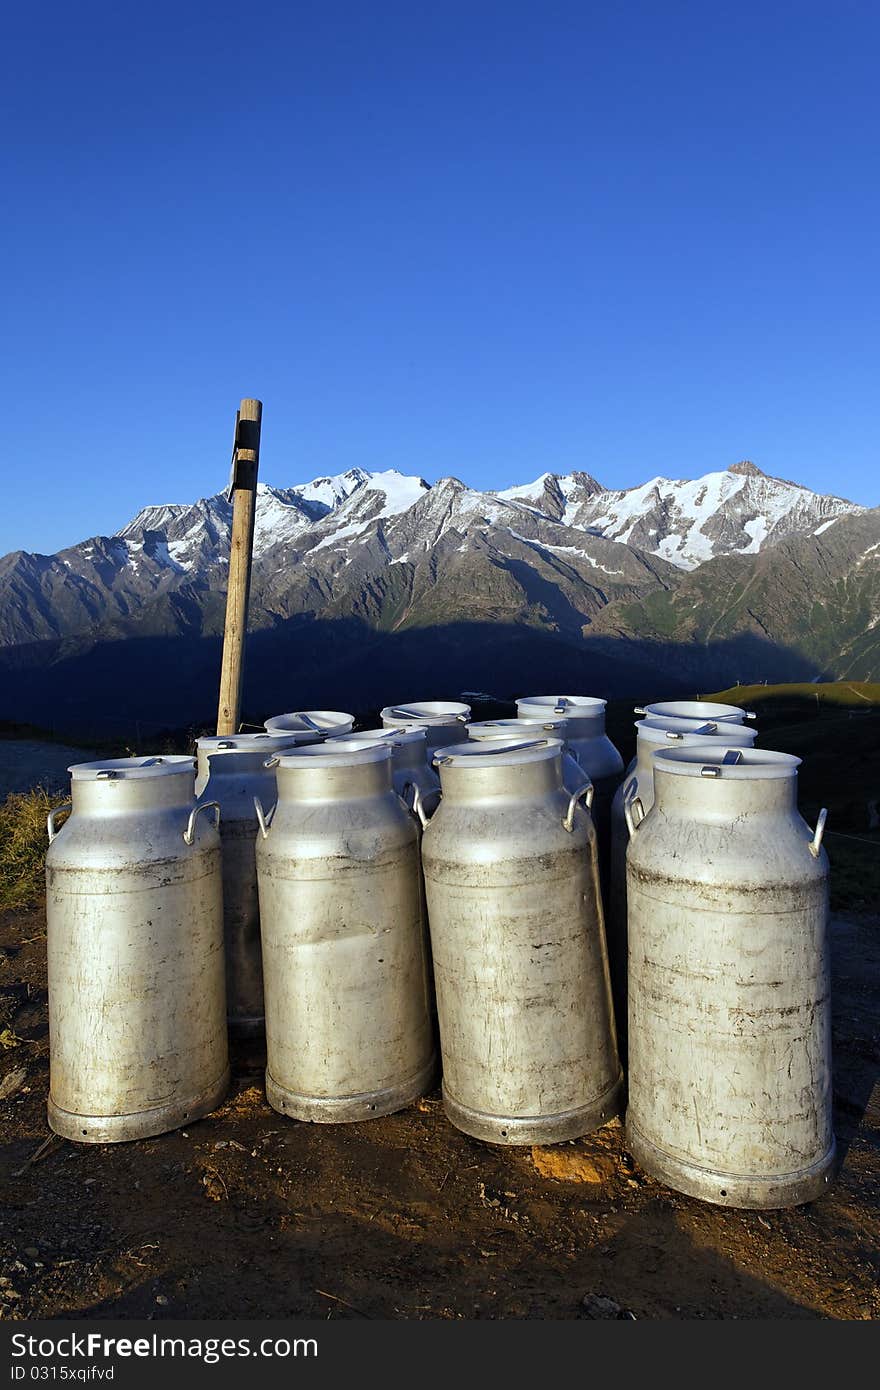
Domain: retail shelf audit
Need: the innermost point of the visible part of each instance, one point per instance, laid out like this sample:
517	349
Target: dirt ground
247	1214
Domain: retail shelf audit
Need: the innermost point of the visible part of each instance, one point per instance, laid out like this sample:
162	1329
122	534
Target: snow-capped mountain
194	533
737	511
562	557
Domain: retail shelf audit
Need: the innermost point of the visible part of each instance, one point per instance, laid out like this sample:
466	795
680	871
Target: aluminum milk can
520	965
701	710
494	730
729	1009
652	735
594	751
348	1029
137	1006
323	723
413	777
231	771
444	721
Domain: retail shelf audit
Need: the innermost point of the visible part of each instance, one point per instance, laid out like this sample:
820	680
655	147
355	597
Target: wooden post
243	486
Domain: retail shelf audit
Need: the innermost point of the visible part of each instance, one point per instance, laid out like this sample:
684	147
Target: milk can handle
417	804
640	709
50	819
265	821
189	835
631	802
816	842
588	791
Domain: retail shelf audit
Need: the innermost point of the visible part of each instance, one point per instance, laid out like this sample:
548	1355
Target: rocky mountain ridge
625	576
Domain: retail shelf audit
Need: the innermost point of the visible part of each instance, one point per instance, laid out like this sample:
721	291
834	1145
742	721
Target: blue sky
482	237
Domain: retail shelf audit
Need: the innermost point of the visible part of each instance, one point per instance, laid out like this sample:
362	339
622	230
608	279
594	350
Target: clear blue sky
481	237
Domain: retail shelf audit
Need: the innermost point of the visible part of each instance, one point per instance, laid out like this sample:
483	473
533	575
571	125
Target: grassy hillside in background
853	694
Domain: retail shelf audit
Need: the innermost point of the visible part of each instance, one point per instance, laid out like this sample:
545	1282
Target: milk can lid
727	764
251	743
670	732
315	721
575	706
394	737
497	752
123	769
492	729
332	754
427	712
694	709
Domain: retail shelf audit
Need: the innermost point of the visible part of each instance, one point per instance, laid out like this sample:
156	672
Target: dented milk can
413	777
496	730
444	721
652	735
588	741
348	1029
137	1008
232	770
322	723
520	965
729	1009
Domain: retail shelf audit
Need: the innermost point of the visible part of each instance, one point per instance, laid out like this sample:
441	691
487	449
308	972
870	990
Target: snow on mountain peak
736	510
528	489
400	490
329	492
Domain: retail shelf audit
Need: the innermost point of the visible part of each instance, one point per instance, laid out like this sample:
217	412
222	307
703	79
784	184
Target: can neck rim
333	755
566	706
317	723
133	769
685	734
700	710
709	763
497	753
391	738
215	745
489	730
426	712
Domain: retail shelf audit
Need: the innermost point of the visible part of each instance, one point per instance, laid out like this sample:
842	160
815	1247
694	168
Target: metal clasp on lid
732	756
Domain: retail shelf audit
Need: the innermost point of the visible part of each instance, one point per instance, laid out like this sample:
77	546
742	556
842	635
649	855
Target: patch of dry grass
23	845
